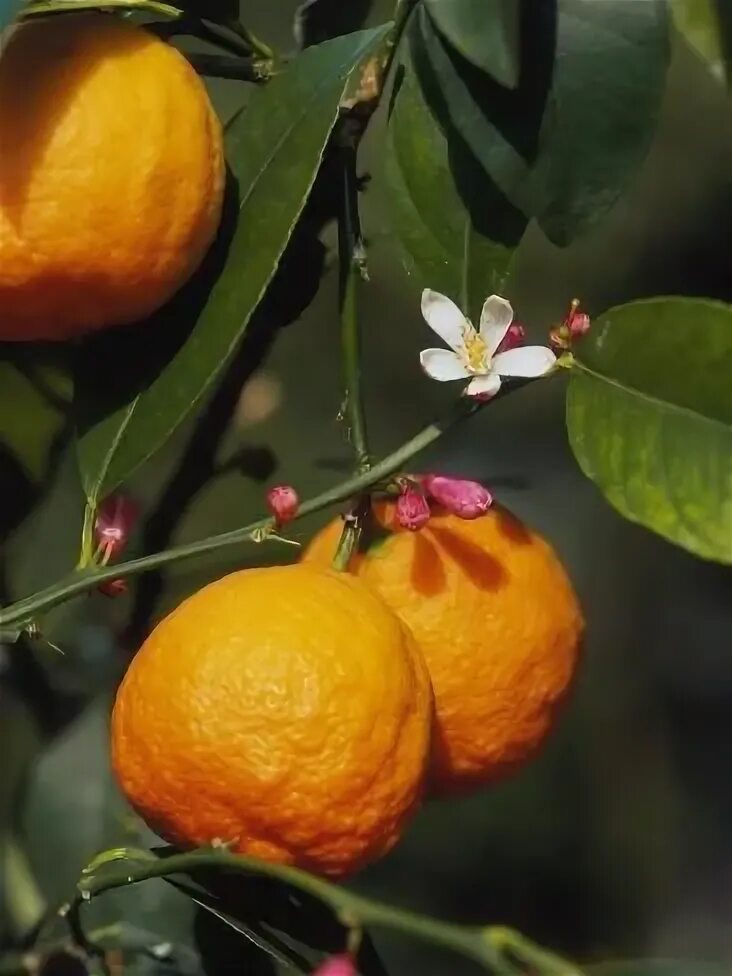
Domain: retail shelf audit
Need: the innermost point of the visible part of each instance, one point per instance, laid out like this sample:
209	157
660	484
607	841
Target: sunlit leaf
131	396
700	23
649	414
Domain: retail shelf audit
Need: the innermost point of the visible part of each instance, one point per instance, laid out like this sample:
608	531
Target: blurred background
618	841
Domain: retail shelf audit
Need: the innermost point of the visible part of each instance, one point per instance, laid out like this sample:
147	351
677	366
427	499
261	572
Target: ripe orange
284	710
499	626
111	175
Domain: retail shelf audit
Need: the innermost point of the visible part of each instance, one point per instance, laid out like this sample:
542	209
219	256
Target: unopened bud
337	966
283	503
113	587
412	509
578	324
515	336
466	499
116	518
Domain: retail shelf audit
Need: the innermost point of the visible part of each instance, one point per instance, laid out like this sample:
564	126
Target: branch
22	612
19	616
351	259
499	950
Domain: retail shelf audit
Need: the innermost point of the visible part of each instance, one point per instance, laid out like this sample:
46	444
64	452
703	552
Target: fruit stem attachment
353	525
498	950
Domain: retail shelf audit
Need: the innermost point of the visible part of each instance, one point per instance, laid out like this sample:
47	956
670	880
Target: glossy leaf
132	395
649	414
486	33
563	145
458	236
700	23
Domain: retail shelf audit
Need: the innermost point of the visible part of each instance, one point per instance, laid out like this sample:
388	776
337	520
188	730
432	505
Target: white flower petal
495	319
445	318
484	386
442	365
524	361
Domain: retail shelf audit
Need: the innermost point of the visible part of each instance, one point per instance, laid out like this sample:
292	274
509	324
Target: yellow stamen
475	350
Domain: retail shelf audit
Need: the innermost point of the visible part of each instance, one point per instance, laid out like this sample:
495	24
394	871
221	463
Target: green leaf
72	807
486	33
37	7
700	23
649	414
564	144
33	398
8	10
458	236
131	395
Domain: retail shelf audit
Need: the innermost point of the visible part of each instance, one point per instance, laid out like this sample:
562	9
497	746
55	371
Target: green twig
351	261
255	44
223	66
24	611
484	945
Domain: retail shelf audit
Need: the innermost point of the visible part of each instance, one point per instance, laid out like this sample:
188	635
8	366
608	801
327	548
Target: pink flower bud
514	337
116	518
283	503
466	499
113	587
337	966
412	509
578	324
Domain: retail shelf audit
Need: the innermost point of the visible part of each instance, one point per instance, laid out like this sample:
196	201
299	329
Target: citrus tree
280	728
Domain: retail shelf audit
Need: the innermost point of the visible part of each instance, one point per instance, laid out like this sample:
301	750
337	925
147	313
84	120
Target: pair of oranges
299	713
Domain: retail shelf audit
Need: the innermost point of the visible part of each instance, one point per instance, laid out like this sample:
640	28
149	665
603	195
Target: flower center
476	351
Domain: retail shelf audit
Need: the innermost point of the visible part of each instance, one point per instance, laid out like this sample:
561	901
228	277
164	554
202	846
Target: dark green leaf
649	414
294	927
484	32
8	10
563	145
458	235
132	396
34	394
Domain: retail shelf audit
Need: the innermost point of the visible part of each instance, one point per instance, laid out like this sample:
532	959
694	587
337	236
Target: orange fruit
111	175
285	711
498	624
